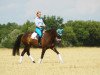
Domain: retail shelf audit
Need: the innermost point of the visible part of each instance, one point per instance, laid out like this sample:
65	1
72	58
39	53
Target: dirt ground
77	61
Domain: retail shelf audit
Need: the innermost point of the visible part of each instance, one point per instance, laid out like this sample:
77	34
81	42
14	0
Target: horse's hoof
33	61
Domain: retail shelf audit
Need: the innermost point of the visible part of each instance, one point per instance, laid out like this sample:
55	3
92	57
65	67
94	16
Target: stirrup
39	45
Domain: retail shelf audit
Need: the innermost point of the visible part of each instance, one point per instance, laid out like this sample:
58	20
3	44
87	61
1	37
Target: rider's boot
39	41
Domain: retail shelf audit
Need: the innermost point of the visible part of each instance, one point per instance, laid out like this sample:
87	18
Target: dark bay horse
47	41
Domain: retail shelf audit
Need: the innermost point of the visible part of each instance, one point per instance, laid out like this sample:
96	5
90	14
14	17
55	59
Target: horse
47	42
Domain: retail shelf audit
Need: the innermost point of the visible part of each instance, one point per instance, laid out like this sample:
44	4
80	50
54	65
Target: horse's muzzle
58	40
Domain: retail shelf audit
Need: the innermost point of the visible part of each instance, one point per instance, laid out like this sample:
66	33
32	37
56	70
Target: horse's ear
53	27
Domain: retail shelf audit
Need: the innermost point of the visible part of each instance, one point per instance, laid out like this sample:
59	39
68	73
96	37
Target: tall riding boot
39	41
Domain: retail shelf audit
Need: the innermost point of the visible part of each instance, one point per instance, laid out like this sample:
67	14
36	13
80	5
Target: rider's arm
42	23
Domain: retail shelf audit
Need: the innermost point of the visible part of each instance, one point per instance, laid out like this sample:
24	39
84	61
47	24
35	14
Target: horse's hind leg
28	53
42	55
55	50
22	54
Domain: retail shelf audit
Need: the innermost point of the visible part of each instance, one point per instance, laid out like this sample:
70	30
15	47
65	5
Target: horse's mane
50	31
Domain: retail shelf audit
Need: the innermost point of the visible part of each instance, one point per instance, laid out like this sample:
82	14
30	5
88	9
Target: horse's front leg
59	56
28	53
42	55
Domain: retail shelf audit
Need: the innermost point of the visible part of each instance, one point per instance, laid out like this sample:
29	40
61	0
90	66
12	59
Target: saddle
34	36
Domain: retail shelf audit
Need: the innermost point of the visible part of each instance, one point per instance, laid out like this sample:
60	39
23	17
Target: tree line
75	33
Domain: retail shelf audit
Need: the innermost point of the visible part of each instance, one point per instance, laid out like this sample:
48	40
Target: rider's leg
39	39
38	30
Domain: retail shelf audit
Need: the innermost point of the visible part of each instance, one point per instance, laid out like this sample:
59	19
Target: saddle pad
33	36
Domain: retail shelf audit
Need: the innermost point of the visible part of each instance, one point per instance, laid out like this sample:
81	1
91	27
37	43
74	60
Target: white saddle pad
33	36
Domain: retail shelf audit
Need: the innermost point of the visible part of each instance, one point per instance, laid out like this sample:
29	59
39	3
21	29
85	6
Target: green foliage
76	33
87	32
8	41
52	21
28	27
69	37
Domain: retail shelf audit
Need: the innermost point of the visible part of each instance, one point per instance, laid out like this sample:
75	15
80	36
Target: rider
39	26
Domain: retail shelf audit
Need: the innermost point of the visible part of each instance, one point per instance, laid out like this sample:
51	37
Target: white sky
20	11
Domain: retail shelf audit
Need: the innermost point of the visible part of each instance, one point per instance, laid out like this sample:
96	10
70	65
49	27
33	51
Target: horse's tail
17	45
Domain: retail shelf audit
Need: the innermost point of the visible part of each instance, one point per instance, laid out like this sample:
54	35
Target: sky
20	11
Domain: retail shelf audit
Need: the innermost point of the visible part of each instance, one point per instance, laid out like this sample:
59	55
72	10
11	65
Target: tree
52	21
69	37
9	40
28	27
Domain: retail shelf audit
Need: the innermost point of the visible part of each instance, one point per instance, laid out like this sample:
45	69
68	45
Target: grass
77	61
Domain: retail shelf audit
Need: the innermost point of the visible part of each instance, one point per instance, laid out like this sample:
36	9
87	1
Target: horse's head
55	34
59	34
